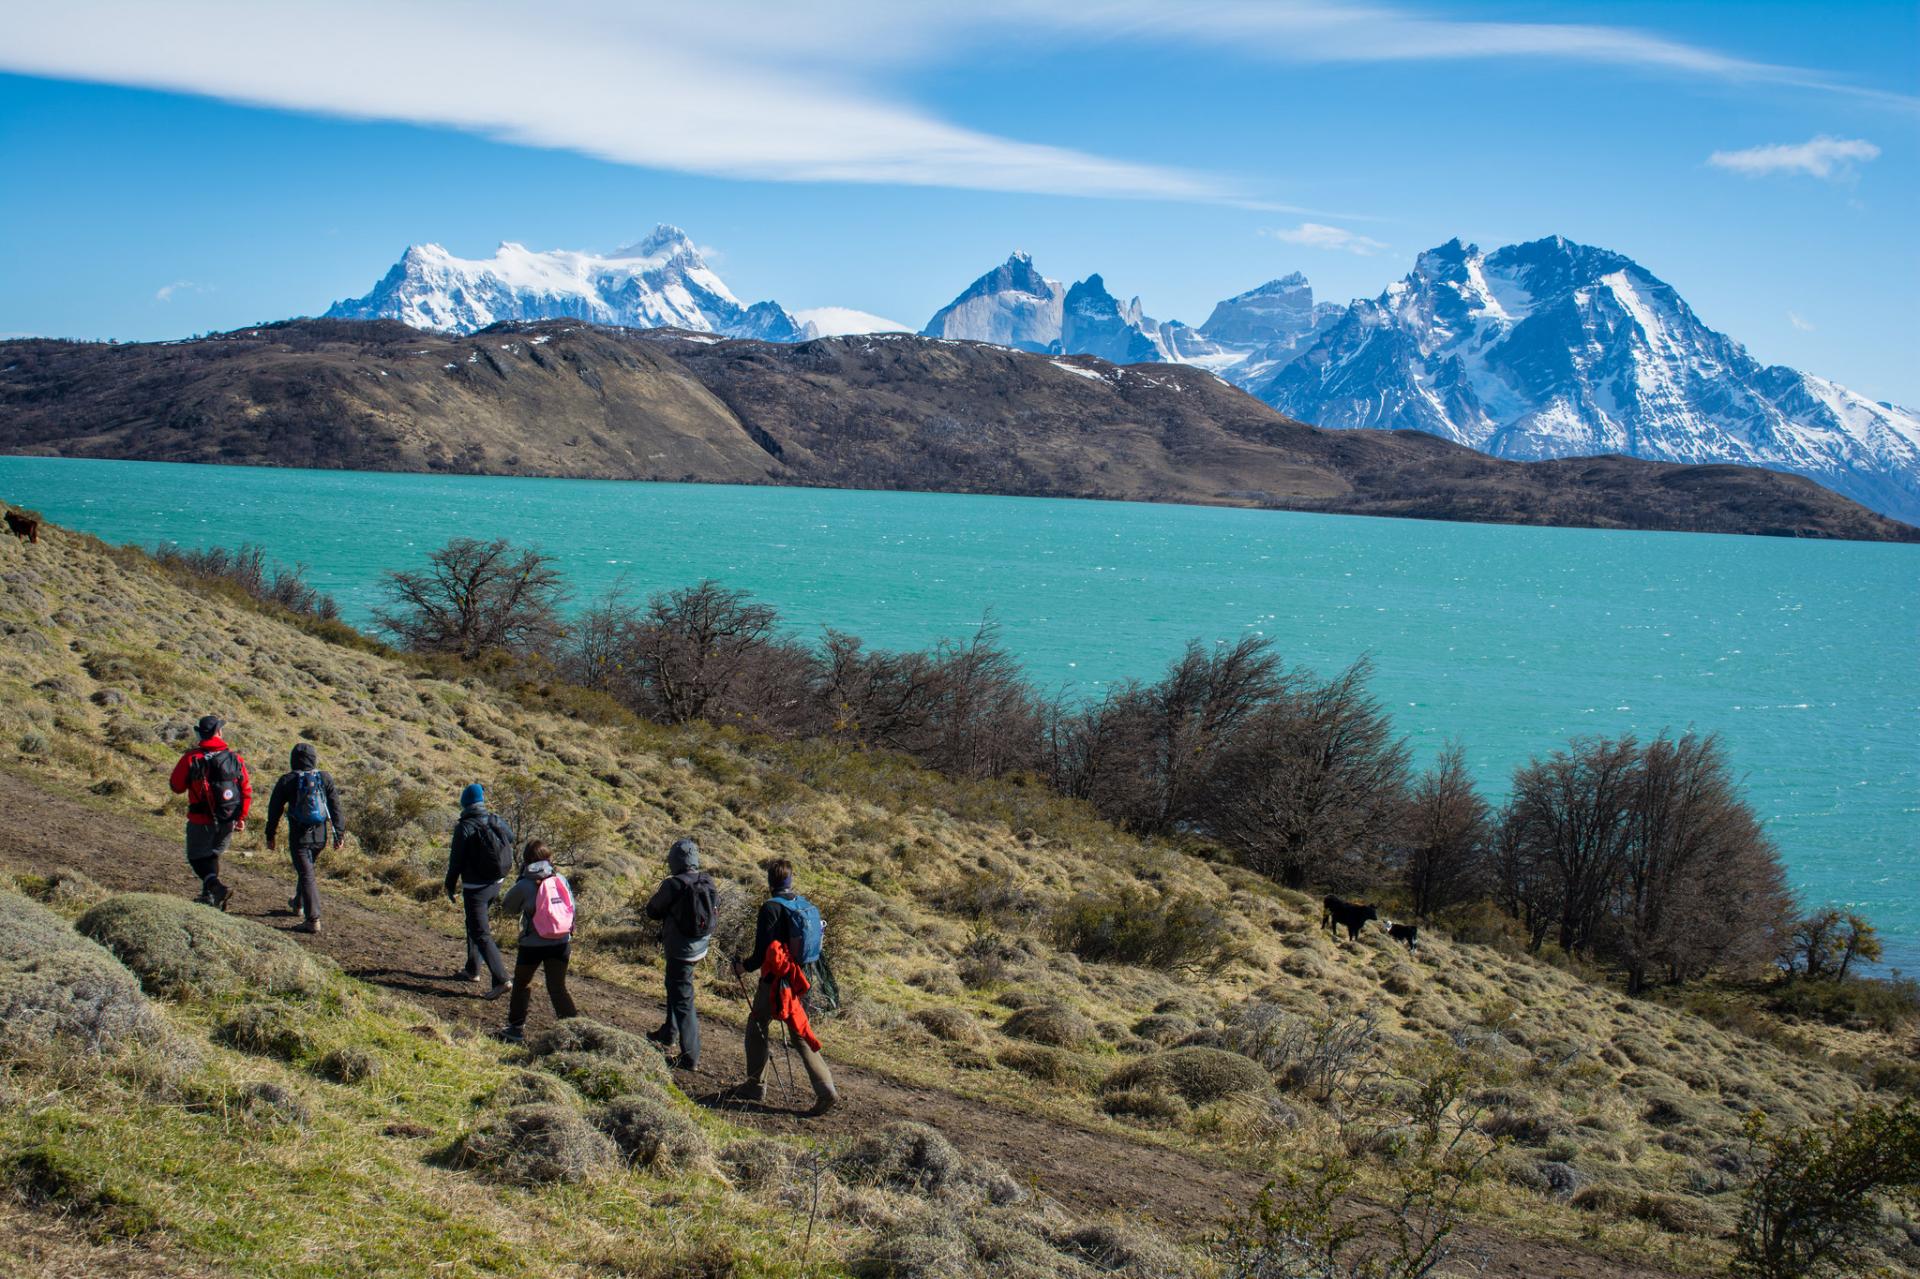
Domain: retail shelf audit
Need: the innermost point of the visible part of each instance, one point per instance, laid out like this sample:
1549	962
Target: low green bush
1198	1075
1888	1005
1151	930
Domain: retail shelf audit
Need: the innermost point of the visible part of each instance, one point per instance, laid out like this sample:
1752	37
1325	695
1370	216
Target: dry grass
104	662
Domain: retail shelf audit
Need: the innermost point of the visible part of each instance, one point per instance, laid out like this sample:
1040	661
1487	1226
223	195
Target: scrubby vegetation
976	936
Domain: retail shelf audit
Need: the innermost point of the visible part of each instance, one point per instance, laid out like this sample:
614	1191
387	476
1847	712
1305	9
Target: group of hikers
786	951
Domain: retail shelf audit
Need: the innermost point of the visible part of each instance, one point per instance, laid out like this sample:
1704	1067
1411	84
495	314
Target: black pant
683	1023
481	948
554	960
205	843
306	891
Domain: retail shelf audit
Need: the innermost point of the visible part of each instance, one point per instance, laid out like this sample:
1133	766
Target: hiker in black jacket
684	904
303	795
478	860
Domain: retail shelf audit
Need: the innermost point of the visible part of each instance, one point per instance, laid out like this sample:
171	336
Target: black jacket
769	926
287	790
470	857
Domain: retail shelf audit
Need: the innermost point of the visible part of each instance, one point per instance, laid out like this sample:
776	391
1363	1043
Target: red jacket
197	813
789	982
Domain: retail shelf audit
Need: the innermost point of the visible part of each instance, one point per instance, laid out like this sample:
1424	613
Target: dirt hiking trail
1088	1172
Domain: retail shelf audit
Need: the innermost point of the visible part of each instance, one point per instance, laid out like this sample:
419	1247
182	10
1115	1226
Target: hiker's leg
680	1023
207	871
556	961
757	1019
308	893
481	948
523	965
818	1073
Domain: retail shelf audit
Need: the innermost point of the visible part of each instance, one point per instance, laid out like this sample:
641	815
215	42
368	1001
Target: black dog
1408	933
1351	916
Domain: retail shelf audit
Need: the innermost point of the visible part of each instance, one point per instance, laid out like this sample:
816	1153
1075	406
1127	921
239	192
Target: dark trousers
205	843
306	890
554	960
481	948
683	1023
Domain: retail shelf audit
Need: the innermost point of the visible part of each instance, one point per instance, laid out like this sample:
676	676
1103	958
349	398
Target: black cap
209	726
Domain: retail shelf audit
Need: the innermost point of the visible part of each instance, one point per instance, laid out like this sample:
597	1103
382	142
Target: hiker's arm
246	790
276	805
178	782
334	814
518	898
763	934
453	863
662	900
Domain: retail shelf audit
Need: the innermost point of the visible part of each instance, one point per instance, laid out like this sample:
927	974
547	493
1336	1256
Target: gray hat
209	726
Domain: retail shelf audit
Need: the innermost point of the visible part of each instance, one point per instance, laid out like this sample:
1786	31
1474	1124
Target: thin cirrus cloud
782	93
1794	318
1317	235
165	292
1821	157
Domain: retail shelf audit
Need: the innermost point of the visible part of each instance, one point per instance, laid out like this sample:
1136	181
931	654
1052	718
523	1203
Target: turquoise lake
1804	656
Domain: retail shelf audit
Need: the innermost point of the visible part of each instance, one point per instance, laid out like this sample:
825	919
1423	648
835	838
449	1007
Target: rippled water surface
1804	656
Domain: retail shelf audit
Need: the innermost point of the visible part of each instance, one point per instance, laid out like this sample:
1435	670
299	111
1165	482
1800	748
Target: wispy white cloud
166	291
1821	157
737	89
1793	318
1317	235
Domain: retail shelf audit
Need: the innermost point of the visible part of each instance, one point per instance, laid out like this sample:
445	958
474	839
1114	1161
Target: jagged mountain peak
664	241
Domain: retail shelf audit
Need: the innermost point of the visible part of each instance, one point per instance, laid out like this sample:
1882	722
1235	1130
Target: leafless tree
1569	814
1312	784
1448	833
474	597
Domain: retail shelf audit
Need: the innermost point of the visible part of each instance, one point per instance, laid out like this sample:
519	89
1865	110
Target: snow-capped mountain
662	281
1011	305
1263	329
1093	322
1556	349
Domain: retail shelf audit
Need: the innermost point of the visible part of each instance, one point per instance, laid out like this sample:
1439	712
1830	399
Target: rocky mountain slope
659	282
881	411
1556	349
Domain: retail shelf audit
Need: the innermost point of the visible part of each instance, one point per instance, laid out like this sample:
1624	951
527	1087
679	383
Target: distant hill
879	411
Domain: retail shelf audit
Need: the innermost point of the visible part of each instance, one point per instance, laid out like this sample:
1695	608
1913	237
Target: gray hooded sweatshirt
683	859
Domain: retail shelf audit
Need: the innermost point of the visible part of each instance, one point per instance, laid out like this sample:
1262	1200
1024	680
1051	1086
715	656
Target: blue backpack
804	929
310	800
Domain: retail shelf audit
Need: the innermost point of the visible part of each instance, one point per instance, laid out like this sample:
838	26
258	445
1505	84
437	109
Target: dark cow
1408	933
1352	916
23	527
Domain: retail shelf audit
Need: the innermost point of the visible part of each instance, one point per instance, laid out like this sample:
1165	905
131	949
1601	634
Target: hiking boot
226	896
293	904
499	988
511	1035
307	926
662	1036
683	1062
824	1105
748	1091
464	975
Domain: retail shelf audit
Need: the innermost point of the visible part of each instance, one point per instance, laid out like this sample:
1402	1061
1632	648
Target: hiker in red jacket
219	794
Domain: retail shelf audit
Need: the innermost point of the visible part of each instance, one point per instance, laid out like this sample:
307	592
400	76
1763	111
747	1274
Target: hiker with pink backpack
545	902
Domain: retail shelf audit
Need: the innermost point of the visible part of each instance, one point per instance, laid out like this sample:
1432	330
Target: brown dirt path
1088	1172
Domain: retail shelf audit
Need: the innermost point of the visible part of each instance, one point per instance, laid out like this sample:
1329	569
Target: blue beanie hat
475	793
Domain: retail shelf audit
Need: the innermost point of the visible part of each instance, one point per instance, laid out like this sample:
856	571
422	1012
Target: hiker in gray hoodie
685	904
535	950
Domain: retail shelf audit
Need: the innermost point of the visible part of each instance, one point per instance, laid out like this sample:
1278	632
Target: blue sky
169	169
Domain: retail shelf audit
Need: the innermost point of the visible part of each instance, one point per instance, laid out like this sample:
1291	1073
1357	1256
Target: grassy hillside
984	933
893	412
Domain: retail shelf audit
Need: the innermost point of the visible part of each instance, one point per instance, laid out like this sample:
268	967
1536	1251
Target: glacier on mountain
659	282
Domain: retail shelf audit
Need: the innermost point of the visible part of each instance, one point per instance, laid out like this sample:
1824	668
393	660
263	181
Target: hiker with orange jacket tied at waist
219	794
786	937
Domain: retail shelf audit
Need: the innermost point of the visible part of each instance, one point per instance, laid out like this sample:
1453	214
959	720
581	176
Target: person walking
306	797
686	904
786	937
478	861
219	794
544	900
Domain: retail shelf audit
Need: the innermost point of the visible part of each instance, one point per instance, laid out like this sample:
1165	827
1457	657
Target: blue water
1804	656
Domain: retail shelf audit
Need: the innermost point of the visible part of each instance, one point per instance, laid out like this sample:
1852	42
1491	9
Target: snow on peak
658	282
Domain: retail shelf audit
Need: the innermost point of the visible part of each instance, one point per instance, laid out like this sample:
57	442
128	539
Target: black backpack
697	906
217	773
493	832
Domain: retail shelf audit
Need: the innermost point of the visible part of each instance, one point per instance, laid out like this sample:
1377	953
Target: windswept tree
1313	784
1829	941
476	597
707	652
1569	819
1448	836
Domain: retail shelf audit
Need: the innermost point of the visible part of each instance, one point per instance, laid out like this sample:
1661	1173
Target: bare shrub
1327	1058
534	1146
1152	930
1816	1196
179	948
1448	827
247	570
1198	1075
1054	1025
476	597
653	1134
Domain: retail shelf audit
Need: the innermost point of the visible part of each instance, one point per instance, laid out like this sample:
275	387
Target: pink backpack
553	909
